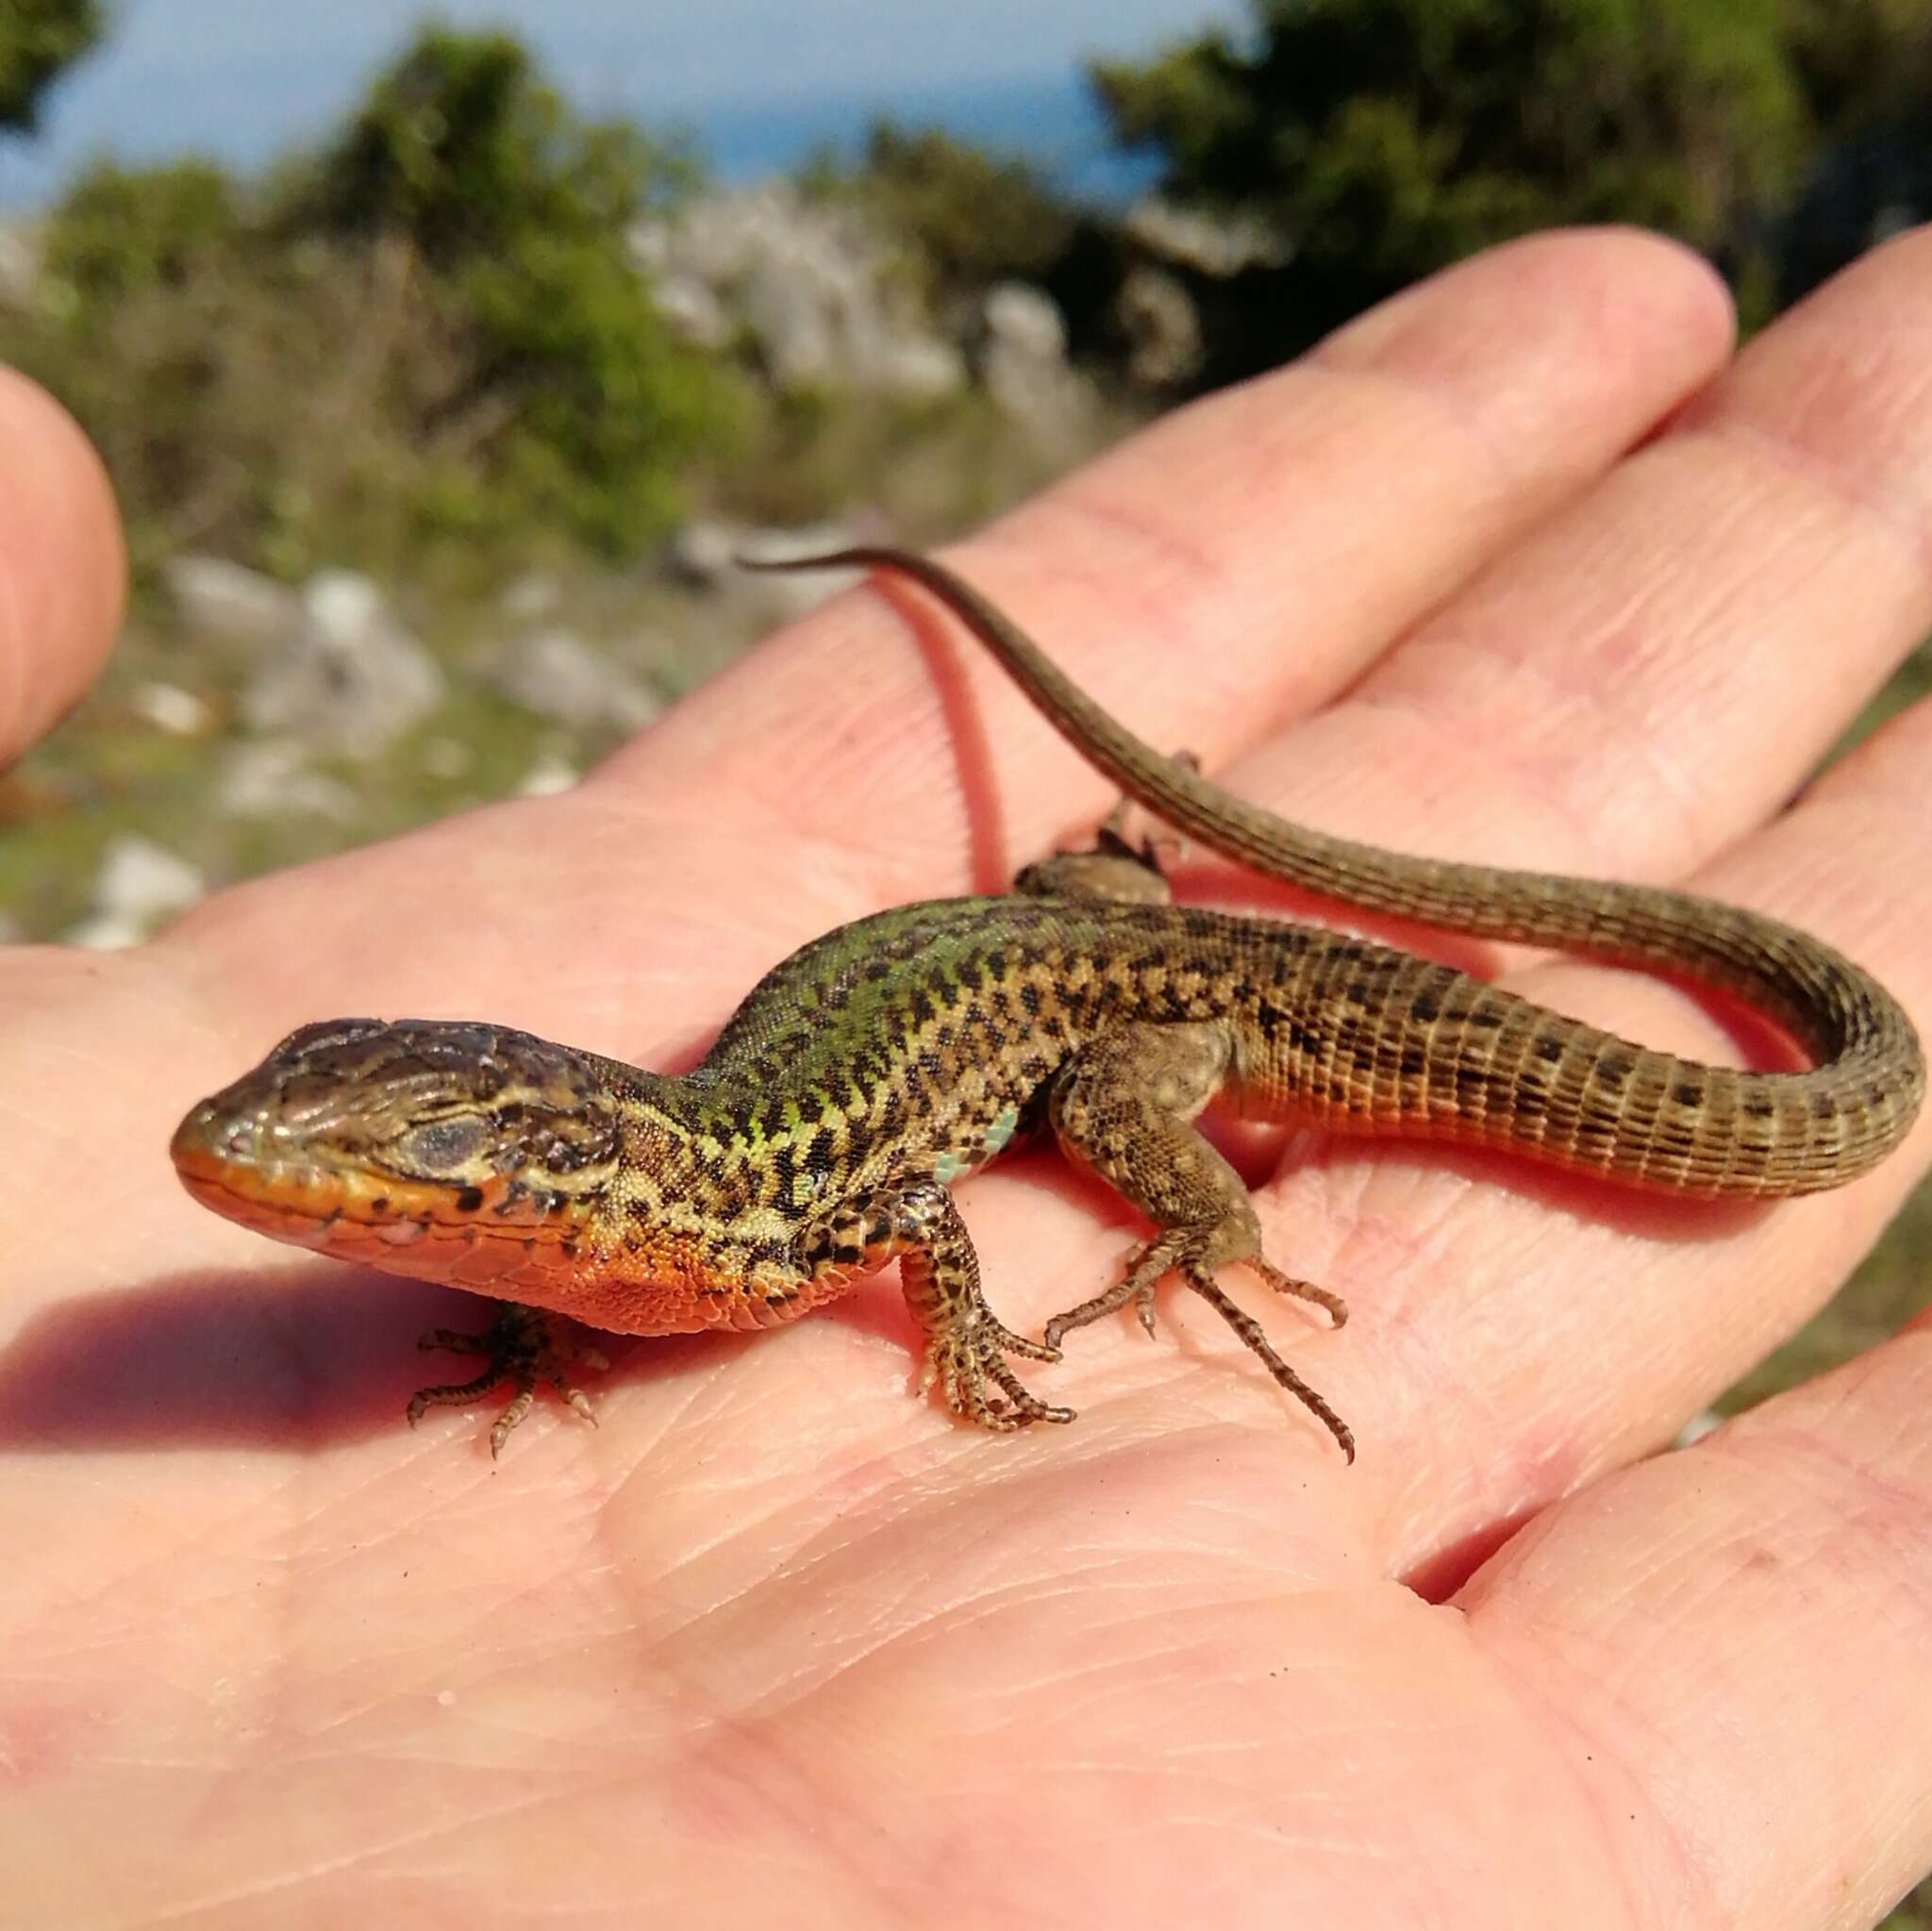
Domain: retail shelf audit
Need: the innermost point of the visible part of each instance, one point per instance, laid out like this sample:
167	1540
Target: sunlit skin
1524	566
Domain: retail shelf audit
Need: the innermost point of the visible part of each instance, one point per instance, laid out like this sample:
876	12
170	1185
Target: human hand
1513	569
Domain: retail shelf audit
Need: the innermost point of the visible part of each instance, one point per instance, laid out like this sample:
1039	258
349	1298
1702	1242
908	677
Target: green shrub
38	38
969	217
432	329
1384	139
120	230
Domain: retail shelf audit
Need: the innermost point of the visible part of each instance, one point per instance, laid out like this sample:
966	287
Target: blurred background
443	363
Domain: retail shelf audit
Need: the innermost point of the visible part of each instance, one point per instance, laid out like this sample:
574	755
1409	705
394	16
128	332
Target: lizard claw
965	1355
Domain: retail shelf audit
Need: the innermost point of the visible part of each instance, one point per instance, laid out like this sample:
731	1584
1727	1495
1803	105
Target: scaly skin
815	1141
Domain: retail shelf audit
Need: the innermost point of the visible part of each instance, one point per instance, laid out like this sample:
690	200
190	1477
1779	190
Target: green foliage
120	230
1383	139
461	148
972	217
1866	69
433	329
483	177
1861	62
38	38
606	406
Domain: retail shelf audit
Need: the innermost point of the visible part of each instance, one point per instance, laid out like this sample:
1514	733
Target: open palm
1518	568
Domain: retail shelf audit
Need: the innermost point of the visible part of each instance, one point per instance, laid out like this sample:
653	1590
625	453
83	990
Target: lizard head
444	1149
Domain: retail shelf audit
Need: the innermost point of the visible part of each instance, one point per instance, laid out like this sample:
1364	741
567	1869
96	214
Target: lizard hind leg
1112	870
1124	1107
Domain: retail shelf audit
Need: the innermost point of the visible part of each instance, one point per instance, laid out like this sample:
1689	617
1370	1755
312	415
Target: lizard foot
1171	1253
523	1345
966	1342
966	1352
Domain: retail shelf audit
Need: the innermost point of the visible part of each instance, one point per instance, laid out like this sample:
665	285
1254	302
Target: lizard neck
712	1175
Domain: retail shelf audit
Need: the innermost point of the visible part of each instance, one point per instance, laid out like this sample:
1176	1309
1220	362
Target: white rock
20	262
1025	320
139	885
534	594
105	932
548	776
1162	327
217	598
702	551
818	293
1022	359
1216	244
169	708
271	778
782	598
801	319
694	314
350	678
557	675
921	368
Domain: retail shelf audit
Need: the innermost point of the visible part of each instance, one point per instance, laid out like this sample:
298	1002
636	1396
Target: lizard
818	1139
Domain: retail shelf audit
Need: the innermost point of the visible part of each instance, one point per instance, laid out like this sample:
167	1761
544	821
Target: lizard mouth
223	1165
413	1230
471	1237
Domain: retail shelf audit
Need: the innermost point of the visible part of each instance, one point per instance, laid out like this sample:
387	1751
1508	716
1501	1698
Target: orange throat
472	1238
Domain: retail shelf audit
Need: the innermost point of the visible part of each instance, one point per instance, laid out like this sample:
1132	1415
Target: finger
61	564
1660	666
1771	1591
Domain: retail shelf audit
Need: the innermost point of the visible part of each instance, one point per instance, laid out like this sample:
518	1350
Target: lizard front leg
1124	1107
522	1346
966	1342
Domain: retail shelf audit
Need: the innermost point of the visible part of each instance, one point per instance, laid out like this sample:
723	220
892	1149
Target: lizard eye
442	1145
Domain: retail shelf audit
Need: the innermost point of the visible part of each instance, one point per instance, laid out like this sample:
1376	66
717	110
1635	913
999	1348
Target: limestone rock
349	679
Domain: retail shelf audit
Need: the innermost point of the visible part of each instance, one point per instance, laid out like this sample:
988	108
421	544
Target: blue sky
758	80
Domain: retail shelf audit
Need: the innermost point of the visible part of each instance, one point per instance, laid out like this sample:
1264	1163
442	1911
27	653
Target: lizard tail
1822	1126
